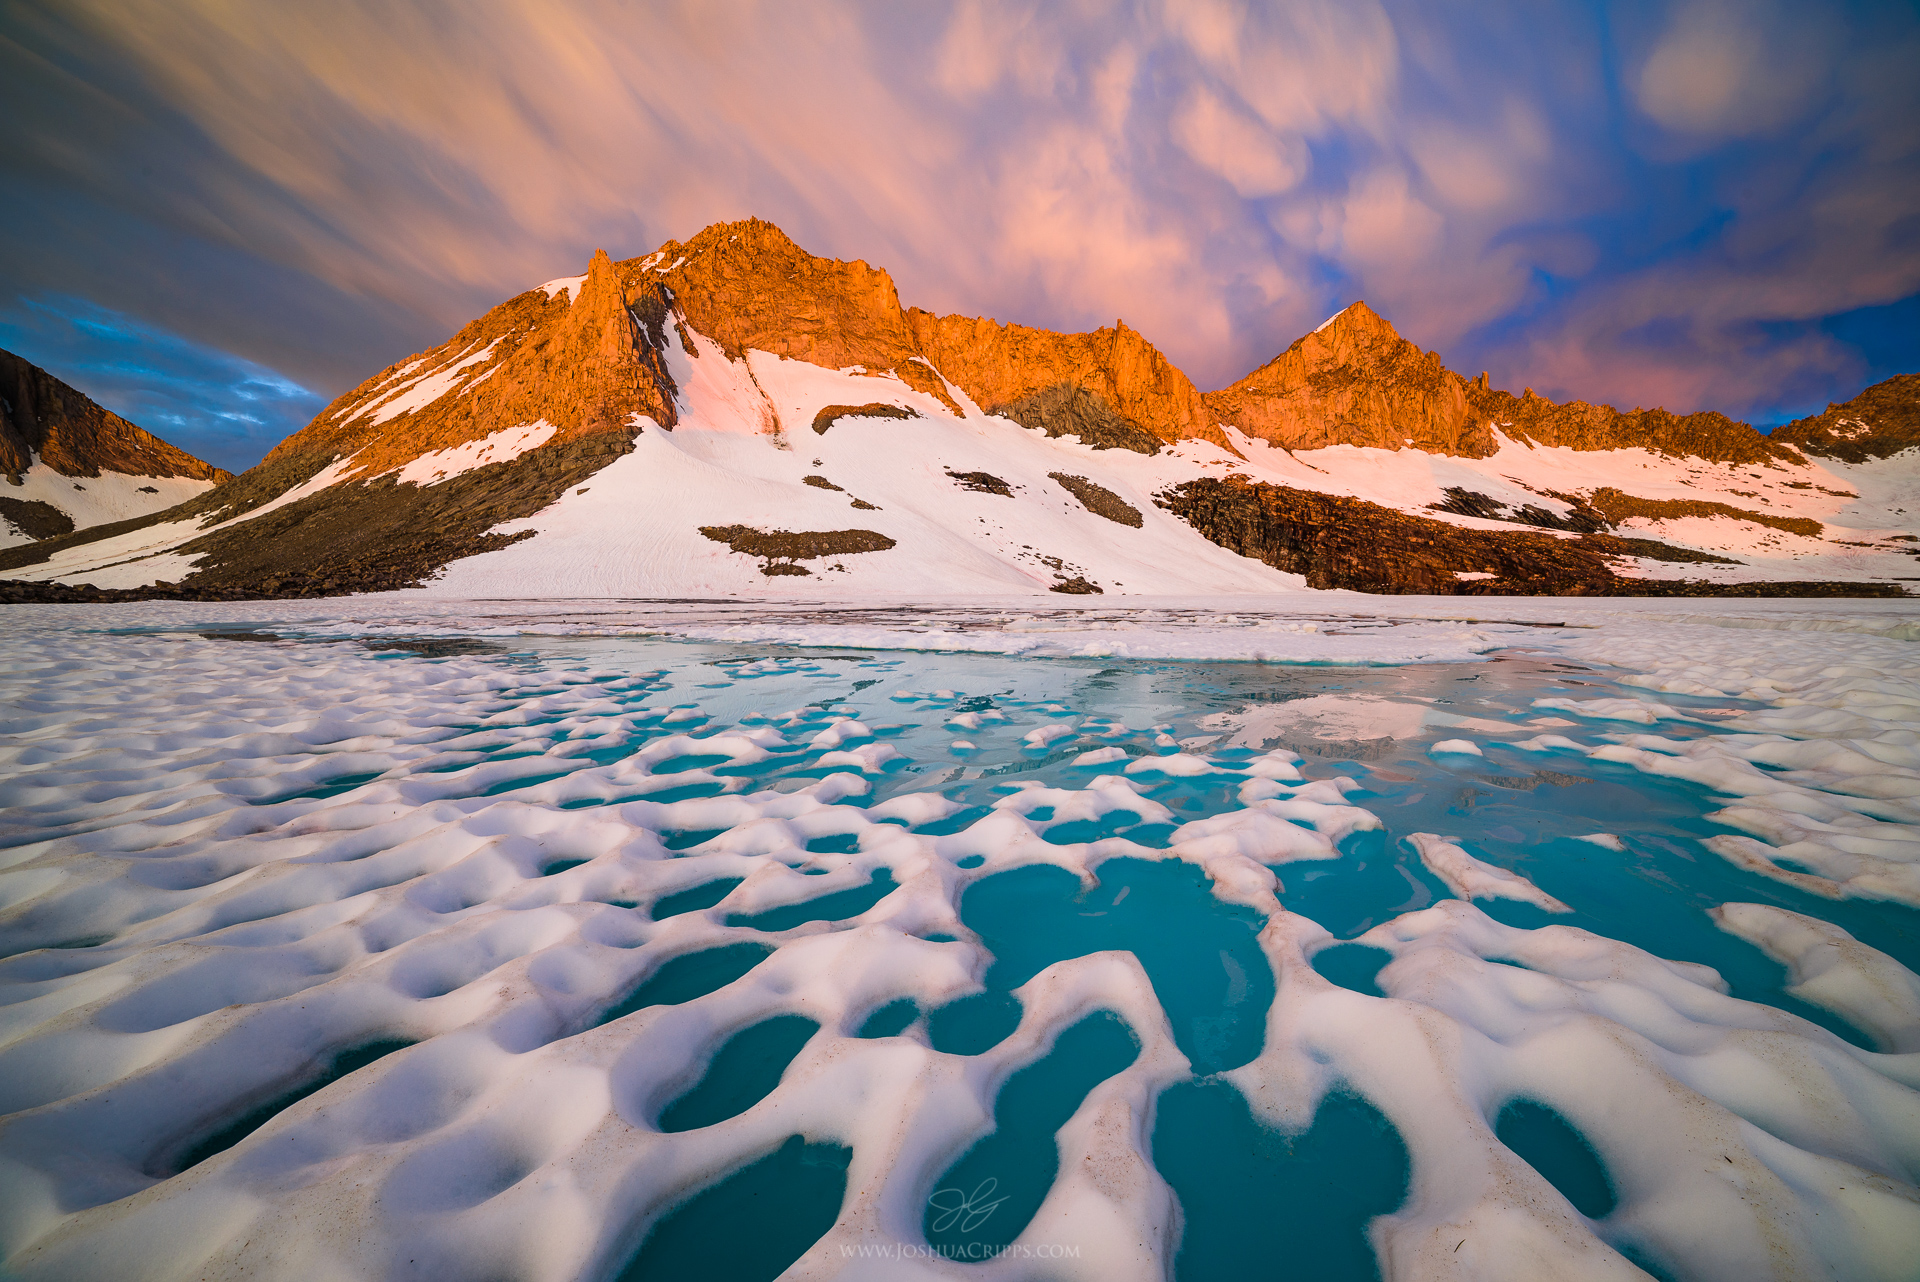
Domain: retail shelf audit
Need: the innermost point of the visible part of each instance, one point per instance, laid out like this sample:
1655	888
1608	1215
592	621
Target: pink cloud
1219	174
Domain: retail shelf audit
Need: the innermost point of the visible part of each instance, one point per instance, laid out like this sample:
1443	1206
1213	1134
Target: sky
220	214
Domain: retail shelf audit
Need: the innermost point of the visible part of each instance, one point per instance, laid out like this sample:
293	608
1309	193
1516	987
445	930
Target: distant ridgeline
68	464
734	415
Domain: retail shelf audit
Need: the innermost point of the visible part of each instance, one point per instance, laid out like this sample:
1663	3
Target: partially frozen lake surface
1337	938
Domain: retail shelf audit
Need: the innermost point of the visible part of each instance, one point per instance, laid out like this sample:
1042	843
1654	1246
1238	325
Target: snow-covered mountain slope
972	504
45	503
733	415
67	463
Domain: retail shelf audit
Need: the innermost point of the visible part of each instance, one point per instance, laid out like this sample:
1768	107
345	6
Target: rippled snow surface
551	958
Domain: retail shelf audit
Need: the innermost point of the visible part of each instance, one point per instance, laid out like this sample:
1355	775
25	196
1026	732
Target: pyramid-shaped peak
1357	340
1355	320
601	295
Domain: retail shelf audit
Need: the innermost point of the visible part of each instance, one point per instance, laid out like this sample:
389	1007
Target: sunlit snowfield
388	944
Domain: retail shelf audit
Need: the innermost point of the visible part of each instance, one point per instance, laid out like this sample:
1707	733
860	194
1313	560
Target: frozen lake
391	937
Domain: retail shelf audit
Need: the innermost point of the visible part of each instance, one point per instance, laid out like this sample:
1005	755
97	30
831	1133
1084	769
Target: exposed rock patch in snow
94	500
740	446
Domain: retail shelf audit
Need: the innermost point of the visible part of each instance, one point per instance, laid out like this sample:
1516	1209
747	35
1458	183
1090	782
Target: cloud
1254	161
1305	67
1735	69
323	189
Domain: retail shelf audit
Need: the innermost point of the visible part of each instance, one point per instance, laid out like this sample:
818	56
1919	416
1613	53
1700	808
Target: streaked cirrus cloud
1681	203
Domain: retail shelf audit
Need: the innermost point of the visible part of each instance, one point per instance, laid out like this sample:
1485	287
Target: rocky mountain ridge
43	419
747	286
738	335
1356	381
1882	421
67	462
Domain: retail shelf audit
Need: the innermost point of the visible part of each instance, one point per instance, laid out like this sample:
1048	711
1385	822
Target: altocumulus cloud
1692	204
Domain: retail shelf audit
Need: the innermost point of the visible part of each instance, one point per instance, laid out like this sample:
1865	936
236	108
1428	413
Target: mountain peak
1352	380
53	437
547	421
746	249
1356	323
1355	317
43	419
747	286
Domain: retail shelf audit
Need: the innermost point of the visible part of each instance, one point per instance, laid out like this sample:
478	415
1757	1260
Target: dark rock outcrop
1618	506
831	414
1337	542
983	483
1069	410
34	518
74	435
1099	500
1878	423
781	549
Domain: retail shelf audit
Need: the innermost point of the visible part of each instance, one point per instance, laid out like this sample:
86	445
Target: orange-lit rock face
581	360
1580	426
532	400
747	286
589	359
75	436
1354	381
1002	365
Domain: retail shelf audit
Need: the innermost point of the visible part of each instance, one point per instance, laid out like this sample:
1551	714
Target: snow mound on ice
1469	878
1823	783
